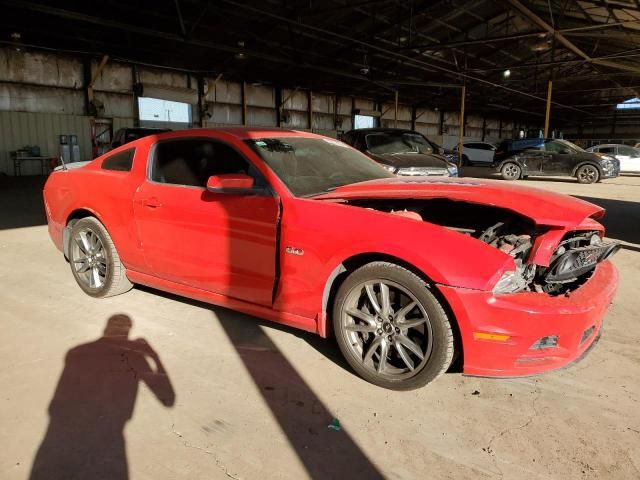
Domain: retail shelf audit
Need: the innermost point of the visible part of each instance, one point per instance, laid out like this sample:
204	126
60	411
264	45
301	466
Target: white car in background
629	157
476	152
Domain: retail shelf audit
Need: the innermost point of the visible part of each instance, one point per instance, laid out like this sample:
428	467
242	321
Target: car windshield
398	142
560	146
311	166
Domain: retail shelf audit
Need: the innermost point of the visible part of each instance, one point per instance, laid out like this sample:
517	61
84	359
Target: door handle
151	202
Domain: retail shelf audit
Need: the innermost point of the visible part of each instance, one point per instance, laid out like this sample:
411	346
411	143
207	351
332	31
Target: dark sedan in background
555	157
403	152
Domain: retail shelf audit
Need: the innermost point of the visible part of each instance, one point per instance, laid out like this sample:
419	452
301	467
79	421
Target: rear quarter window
119	162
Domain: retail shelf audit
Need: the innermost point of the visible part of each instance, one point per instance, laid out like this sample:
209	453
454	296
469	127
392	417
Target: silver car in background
629	157
481	153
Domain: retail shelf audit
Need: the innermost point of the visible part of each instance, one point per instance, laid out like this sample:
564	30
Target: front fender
328	234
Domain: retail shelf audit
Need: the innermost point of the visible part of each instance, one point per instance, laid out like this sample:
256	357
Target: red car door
220	242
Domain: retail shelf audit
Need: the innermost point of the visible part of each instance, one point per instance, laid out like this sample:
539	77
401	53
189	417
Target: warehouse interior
246	398
309	66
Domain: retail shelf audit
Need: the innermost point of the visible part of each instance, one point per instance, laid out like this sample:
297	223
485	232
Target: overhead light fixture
16	40
241	55
365	68
506	73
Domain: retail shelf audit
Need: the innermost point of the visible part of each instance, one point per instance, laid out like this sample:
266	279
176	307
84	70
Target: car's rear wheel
390	328
587	174
94	261
511	171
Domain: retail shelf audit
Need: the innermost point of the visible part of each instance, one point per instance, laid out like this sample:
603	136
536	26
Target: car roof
382	130
242	133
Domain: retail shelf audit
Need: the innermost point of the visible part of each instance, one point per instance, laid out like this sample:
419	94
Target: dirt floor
246	399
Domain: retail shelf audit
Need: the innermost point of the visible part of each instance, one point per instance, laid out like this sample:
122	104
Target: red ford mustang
407	273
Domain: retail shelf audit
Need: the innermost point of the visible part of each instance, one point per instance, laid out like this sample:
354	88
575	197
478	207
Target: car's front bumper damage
530	332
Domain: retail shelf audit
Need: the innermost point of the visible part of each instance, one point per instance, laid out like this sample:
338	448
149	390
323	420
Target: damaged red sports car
408	274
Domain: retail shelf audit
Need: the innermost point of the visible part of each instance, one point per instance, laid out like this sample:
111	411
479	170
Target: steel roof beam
566	42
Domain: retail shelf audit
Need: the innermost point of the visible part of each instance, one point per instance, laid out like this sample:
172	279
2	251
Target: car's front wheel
587	174
94	261
511	171
390	328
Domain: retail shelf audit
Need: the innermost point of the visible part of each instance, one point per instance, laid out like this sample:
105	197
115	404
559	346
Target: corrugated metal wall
18	129
42	96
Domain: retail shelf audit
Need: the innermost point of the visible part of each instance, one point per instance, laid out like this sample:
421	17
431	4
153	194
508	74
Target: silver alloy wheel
511	171
89	258
588	174
387	329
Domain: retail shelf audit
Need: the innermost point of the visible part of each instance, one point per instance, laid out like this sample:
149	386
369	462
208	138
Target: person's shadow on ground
92	403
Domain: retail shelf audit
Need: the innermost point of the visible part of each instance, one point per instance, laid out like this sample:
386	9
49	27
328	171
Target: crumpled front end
610	167
528	332
542	312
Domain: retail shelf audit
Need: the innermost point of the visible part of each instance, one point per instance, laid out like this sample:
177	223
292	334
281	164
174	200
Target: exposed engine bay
572	262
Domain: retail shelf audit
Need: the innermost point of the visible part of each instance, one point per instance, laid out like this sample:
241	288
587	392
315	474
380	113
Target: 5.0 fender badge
294	250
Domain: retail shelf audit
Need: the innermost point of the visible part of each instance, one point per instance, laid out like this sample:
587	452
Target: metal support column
548	111
201	102
244	102
395	114
461	139
135	91
278	106
310	109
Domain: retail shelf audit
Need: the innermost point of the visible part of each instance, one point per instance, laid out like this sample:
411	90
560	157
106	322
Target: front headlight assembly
513	281
389	168
453	170
510	282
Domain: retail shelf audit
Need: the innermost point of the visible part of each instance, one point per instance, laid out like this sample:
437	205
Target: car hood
406	160
541	206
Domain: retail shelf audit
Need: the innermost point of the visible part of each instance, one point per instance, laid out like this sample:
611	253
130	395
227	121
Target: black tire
103	275
511	171
465	161
403	368
587	174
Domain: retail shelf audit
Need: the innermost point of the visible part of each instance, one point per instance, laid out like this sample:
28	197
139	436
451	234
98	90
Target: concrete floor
246	399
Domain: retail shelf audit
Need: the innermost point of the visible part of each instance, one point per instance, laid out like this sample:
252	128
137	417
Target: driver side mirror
230	183
565	151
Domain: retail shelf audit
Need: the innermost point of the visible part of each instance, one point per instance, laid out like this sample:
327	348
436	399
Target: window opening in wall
631	104
364	121
159	110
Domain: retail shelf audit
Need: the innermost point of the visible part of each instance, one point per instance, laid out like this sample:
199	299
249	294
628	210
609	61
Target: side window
192	161
555	147
121	162
624	150
607	150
